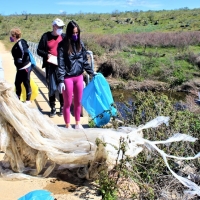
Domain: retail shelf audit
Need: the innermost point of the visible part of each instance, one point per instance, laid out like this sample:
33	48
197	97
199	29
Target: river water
123	97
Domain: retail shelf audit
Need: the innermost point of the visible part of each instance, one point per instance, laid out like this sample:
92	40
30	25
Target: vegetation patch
148	171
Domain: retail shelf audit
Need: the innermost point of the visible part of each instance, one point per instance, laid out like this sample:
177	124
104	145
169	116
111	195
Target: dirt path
12	190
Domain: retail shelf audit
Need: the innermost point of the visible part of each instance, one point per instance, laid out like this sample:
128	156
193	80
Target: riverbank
189	87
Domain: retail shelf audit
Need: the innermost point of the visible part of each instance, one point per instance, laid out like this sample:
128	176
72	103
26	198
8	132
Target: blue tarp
98	100
37	195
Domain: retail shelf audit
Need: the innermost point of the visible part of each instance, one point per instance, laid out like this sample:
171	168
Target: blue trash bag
32	59
98	100
37	195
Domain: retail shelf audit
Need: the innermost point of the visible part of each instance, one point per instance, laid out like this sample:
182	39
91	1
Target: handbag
97	100
32	59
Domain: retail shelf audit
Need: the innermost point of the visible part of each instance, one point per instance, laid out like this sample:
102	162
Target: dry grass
192	105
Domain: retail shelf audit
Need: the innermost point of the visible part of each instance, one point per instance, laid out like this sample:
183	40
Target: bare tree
25	14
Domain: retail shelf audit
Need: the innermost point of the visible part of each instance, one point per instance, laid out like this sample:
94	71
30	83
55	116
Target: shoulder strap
24	42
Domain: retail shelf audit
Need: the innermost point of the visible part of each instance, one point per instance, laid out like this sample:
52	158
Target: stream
122	96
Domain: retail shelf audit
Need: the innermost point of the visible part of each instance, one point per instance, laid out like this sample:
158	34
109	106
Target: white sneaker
70	127
79	126
28	102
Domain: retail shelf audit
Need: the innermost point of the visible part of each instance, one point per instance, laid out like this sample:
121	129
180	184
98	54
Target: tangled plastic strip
194	188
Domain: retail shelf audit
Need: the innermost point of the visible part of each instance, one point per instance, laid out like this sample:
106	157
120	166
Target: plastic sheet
28	143
37	195
34	89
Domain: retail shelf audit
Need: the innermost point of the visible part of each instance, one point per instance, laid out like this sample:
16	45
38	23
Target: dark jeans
52	100
52	85
23	76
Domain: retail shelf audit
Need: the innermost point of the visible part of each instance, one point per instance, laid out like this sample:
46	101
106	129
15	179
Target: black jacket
42	49
72	65
20	53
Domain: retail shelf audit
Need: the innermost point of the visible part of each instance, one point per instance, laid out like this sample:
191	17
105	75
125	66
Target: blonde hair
16	32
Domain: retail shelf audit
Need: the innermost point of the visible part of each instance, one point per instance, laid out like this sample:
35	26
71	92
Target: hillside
115	23
160	46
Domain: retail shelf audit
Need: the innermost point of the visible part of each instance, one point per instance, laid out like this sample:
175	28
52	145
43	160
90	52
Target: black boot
53	112
61	111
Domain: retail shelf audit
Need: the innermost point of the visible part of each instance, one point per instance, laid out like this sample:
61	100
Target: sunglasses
60	27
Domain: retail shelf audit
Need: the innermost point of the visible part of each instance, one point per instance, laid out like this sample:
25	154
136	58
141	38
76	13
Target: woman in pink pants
72	61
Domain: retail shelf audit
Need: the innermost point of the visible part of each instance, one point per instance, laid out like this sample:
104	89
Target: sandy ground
61	190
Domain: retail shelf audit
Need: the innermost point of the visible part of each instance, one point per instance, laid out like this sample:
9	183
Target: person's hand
94	74
61	87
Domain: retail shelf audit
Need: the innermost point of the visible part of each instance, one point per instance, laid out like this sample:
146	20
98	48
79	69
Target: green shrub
148	168
94	47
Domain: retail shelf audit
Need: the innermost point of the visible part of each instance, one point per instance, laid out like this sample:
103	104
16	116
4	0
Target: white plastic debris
28	143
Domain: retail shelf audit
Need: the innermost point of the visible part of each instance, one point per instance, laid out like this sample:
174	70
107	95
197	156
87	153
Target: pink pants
73	87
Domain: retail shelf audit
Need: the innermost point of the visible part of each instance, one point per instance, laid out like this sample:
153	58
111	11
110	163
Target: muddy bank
190	87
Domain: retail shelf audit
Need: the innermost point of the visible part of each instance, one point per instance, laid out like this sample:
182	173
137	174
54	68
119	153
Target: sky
10	7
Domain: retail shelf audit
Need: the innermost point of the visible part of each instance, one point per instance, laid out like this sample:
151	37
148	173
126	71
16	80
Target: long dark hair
68	39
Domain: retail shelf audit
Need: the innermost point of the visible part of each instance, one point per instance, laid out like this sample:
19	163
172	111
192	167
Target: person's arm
87	67
61	69
24	48
42	47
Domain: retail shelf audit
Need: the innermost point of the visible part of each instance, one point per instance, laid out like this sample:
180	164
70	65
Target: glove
61	87
94	74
